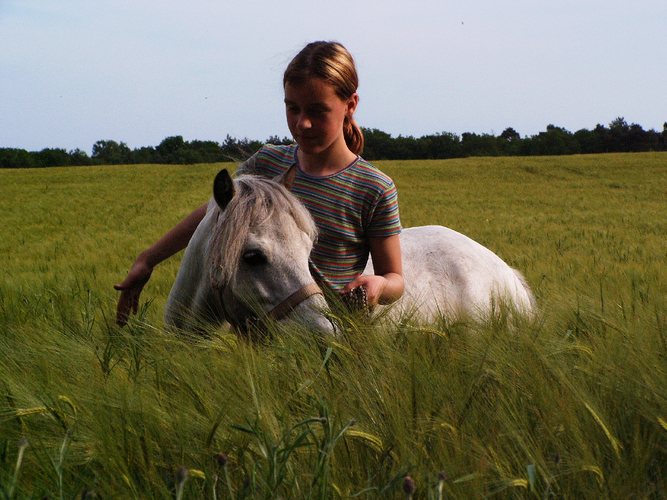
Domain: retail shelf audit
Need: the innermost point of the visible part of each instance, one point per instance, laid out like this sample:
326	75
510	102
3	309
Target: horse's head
259	254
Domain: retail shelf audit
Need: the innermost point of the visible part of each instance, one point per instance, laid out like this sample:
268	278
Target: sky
73	72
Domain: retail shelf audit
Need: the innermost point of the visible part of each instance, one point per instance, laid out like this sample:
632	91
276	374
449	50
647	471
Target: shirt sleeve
385	219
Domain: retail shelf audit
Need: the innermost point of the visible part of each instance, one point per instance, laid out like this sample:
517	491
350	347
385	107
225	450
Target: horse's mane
257	200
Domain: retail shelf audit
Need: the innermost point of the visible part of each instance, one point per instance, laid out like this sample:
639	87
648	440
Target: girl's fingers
127	302
121	314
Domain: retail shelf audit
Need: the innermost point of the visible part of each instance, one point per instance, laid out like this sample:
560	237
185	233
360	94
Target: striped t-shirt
348	207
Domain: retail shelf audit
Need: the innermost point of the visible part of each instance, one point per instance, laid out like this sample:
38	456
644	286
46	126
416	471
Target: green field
572	404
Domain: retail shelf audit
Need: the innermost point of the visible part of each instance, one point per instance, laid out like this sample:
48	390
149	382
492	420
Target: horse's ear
223	189
287	178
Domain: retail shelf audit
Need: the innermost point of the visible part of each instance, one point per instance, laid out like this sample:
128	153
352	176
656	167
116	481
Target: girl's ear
352	103
223	189
287	178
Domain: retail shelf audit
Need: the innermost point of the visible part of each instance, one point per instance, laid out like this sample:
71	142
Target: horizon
265	139
393	136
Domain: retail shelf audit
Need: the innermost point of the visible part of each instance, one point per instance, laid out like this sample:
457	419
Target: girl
354	205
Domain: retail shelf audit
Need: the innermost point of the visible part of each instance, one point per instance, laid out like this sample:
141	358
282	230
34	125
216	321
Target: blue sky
76	71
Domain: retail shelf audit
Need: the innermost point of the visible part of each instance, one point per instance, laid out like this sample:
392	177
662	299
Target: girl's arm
140	272
386	285
172	242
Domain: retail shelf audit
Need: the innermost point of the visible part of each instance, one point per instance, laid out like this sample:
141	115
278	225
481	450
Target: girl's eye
254	257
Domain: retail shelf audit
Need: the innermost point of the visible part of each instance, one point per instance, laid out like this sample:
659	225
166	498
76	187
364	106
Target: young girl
354	205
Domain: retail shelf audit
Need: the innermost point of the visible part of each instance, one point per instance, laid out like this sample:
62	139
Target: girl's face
315	115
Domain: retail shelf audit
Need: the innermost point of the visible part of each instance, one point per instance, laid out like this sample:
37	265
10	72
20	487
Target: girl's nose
304	122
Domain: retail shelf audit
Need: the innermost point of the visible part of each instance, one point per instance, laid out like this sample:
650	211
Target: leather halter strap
287	305
249	320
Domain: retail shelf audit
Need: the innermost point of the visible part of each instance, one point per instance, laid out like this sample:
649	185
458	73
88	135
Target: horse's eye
254	257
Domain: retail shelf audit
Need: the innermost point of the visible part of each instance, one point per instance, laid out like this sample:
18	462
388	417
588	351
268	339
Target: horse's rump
447	274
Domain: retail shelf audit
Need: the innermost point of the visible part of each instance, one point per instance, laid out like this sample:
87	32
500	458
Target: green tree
376	144
442	145
17	158
111	152
510	135
205	151
555	141
53	158
172	150
79	158
509	141
239	149
478	145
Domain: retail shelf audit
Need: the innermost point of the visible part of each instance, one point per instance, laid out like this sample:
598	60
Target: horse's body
449	275
250	253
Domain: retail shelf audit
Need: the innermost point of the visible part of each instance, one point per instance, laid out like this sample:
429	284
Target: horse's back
447	273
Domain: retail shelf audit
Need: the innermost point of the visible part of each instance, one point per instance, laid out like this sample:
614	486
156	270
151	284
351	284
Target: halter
287	306
248	319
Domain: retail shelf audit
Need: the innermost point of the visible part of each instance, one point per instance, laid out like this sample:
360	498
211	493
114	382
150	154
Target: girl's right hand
173	241
130	289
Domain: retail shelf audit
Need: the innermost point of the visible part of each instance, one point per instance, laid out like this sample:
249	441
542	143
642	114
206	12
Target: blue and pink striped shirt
348	207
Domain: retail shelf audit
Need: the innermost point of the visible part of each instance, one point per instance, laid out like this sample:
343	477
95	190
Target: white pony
248	262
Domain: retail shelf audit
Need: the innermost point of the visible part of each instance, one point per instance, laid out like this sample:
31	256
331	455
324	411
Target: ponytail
354	137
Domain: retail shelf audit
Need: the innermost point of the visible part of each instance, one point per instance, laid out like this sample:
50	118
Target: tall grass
571	404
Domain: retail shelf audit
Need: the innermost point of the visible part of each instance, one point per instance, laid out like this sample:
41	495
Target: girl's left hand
374	285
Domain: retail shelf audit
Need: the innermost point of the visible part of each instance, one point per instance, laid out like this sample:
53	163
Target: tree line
619	136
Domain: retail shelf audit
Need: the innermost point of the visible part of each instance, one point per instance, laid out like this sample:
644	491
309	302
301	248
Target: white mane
257	201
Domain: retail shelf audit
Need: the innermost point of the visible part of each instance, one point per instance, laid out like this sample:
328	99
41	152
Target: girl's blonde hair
331	62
